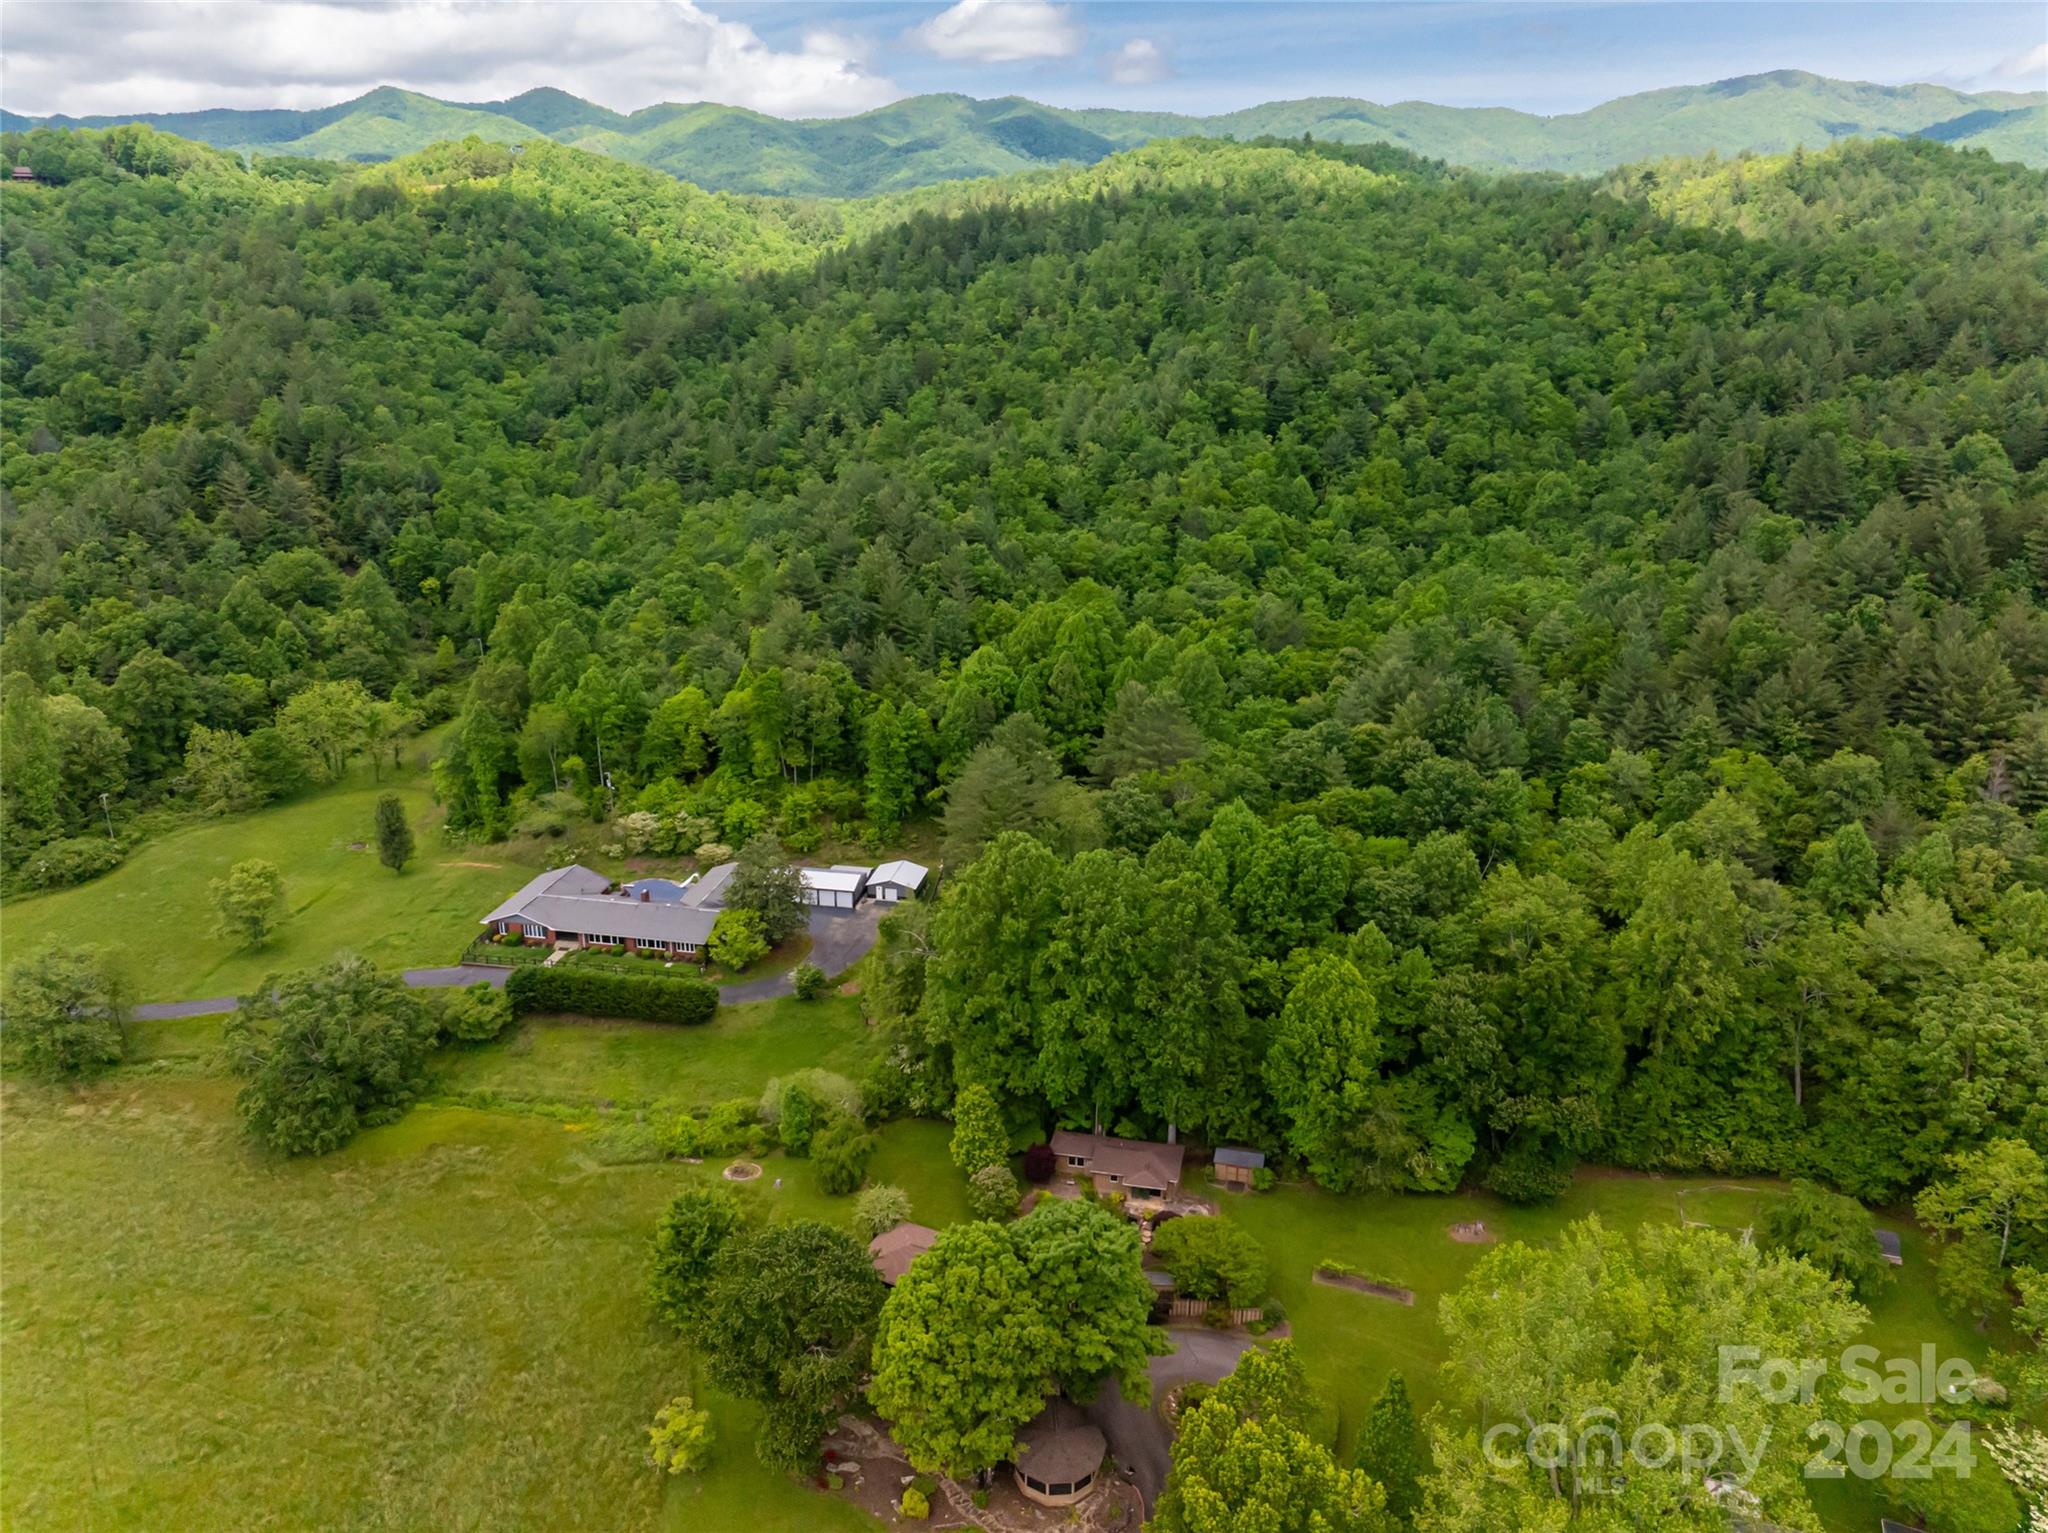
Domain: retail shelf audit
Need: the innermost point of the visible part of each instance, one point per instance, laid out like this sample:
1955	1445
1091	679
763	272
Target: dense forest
1446	675
922	140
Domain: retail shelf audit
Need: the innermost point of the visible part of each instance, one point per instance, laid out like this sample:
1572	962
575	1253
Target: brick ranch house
1135	1166
579	907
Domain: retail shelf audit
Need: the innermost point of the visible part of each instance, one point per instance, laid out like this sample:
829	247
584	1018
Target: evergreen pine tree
394	836
1389	1449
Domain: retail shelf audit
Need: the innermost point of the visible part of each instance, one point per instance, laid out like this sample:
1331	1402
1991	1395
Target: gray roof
1250	1160
574	879
895	1249
1888	1242
1139	1160
1059	1446
905	874
707	889
611	915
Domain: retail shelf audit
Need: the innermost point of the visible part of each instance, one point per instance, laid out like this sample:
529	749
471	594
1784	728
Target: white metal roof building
837	888
898	880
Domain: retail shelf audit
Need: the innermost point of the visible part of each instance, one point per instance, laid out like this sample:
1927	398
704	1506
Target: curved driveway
1138	1434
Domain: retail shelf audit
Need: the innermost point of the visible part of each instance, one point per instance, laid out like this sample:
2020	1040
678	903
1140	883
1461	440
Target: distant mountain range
940	138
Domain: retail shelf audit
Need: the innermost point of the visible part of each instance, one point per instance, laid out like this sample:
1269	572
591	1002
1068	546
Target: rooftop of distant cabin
894	1250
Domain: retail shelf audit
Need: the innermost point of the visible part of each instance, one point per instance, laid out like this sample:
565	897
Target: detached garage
894	881
835	888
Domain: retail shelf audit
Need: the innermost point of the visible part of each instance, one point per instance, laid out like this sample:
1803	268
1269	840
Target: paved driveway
839	940
1138	1434
419	979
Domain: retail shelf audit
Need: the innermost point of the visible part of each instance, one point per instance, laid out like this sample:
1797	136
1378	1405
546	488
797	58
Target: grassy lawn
647	1064
153	912
441	1326
1352	1341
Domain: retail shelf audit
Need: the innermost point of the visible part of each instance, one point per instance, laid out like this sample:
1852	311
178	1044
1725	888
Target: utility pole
109	814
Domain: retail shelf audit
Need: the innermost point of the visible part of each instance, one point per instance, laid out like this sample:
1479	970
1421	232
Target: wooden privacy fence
1196	1309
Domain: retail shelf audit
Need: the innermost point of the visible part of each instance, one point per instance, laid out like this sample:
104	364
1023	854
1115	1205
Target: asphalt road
1137	1433
839	940
419	979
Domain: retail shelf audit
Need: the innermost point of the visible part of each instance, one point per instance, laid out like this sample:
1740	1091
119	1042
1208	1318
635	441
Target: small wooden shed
1236	1168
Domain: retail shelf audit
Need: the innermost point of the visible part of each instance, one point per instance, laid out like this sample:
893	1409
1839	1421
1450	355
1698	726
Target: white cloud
82	59
1001	31
1138	62
2023	71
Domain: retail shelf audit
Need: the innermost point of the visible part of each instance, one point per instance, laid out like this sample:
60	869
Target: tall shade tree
1323	1063
984	982
1635	1330
249	902
1244	1459
960	1352
766	885
326	1053
65	1013
328	724
1995	1192
995	1318
787	1322
693	1231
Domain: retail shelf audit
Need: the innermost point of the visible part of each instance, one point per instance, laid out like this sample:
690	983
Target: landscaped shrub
679	1441
880	1209
834	1092
1038	1164
992	1193
628	1142
737	940
72	861
808	980
797	1123
594	993
841	1150
916	1505
474	1014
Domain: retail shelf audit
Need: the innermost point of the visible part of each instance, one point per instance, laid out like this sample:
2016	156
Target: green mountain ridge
925	139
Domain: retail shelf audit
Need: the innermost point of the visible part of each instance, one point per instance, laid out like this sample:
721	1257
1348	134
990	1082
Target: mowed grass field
1351	1341
154	915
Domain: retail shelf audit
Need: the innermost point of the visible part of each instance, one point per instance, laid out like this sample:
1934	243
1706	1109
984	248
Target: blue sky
1534	56
84	56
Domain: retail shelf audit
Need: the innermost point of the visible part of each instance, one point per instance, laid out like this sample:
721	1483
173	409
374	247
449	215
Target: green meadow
444	1324
154	915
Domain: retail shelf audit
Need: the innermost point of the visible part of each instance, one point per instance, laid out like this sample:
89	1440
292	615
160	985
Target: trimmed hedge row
595	994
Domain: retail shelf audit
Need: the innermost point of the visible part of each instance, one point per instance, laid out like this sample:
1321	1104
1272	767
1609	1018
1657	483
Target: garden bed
1337	1277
